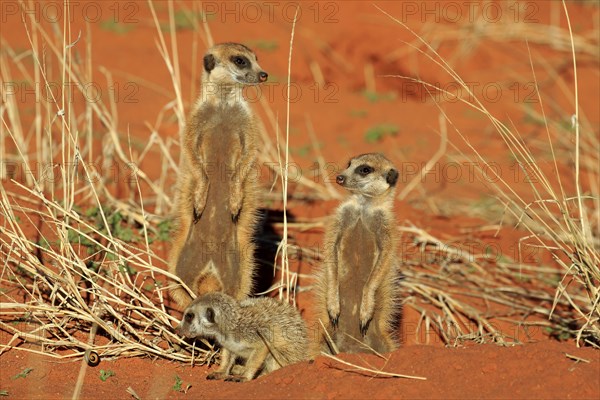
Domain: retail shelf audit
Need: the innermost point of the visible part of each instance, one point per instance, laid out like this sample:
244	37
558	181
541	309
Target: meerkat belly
358	254
210	258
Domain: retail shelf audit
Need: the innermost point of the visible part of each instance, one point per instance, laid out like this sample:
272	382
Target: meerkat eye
240	61
189	317
364	170
210	315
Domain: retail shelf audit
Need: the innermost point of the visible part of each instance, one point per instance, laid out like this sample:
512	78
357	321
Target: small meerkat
216	201
265	333
357	287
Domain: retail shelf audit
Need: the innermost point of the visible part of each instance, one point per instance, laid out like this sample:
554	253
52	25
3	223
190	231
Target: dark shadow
266	239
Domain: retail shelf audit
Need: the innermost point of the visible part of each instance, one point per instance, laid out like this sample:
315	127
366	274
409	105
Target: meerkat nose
263	76
340	179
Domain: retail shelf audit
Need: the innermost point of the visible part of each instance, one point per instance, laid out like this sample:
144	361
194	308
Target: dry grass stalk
375	373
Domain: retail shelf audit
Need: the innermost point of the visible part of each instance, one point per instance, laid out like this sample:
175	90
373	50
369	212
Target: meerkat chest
223	135
358	248
238	343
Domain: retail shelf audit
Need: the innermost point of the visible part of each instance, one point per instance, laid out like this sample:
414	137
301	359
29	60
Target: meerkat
216	204
263	332
357	285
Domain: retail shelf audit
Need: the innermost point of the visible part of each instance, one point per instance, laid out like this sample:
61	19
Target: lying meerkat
216	204
357	286
265	333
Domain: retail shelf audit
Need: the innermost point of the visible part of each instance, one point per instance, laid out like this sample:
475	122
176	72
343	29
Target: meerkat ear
210	315
209	62
392	177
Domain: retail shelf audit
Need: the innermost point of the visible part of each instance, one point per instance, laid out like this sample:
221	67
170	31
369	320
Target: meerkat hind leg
253	364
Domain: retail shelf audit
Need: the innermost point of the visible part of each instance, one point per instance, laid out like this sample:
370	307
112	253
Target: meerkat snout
262	76
392	177
340	179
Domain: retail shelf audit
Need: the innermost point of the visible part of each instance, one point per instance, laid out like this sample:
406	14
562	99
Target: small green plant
374	97
301	151
164	230
358	113
23	374
151	286
187	20
558	333
178	386
266	45
378	132
116	27
125	268
105	374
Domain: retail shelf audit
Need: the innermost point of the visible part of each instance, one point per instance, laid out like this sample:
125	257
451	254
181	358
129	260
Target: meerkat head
370	175
205	316
232	63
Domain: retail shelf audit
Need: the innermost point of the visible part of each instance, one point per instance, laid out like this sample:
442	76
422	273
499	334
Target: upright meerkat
356	295
265	333
216	203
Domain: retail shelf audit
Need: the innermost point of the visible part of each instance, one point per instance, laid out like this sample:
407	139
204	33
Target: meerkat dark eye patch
210	315
240	61
392	177
364	169
189	317
209	62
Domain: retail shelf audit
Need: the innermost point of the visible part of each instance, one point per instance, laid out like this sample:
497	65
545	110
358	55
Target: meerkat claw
334	320
215	376
364	328
197	215
235	378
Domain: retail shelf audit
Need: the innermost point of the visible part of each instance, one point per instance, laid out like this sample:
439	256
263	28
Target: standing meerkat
357	285
216	203
265	333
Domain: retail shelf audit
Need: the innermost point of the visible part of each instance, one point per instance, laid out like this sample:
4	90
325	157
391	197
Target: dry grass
565	225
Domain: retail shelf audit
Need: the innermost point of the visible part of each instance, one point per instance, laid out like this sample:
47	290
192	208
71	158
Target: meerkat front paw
196	215
236	378
217	376
199	205
235	205
366	313
333	310
364	327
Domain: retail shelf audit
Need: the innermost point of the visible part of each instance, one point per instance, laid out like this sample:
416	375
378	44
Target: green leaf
105	374
23	374
378	132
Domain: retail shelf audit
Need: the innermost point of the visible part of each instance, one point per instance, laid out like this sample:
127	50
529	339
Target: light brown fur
264	332
357	291
216	202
